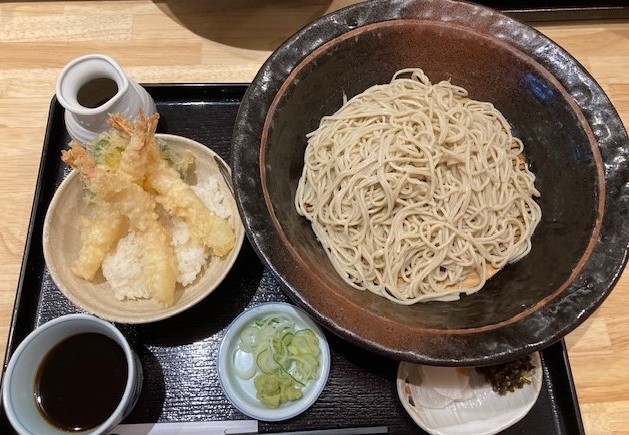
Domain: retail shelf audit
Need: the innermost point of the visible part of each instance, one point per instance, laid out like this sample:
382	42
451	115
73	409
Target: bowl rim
600	120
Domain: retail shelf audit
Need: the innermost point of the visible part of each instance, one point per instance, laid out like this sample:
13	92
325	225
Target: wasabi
273	390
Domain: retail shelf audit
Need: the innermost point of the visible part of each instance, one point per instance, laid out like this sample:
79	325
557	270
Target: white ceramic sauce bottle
92	86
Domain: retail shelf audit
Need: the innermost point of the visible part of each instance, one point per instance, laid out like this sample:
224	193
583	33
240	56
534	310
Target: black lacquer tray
179	354
559	10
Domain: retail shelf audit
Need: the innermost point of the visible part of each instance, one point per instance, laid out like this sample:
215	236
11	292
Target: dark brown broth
96	92
80	381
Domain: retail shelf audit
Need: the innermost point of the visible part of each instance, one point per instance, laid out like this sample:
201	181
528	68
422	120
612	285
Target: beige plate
61	240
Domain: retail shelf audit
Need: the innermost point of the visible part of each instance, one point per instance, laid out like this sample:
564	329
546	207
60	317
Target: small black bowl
574	142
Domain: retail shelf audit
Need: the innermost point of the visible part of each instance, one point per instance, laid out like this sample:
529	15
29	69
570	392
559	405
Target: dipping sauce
80	381
97	92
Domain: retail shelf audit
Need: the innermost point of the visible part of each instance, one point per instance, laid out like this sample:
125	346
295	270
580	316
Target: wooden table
227	41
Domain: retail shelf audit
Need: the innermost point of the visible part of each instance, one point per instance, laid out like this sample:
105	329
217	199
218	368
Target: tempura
127	175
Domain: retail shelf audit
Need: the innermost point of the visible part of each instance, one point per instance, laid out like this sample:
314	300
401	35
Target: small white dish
242	393
90	88
478	409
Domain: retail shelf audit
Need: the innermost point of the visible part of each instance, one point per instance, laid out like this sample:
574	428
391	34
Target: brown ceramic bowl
574	141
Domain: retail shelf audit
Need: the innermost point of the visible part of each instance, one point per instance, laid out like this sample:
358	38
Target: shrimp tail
134	159
79	159
122	124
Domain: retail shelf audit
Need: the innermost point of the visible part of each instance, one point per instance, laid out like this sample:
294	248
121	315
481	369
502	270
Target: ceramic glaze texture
574	143
535	110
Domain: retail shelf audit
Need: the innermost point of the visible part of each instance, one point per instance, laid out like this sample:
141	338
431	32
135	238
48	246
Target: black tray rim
38	209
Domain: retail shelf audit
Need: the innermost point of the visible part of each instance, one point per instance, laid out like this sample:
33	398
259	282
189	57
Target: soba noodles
416	191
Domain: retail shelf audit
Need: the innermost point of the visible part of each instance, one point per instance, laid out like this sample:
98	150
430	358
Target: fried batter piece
100	230
131	201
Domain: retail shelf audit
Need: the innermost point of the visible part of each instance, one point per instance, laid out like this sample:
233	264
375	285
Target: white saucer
479	411
241	392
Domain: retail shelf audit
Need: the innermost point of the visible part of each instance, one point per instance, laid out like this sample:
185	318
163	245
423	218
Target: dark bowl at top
574	141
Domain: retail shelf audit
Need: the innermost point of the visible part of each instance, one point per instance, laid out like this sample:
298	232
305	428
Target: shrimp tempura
130	200
176	196
134	158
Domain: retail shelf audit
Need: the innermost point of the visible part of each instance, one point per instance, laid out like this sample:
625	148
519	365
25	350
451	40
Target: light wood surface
227	41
